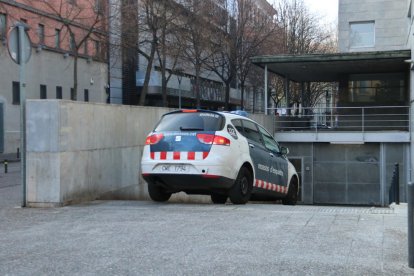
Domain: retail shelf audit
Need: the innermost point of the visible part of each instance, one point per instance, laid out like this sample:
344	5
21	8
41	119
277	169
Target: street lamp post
179	78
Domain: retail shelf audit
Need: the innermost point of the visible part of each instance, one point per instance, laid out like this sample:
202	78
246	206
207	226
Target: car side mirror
284	151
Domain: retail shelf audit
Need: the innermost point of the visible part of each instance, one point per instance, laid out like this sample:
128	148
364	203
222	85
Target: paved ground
145	238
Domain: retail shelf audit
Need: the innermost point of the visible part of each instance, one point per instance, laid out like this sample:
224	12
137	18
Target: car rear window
194	121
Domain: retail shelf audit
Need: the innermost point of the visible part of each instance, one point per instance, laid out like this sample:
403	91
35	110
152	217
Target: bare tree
195	36
253	35
80	23
302	34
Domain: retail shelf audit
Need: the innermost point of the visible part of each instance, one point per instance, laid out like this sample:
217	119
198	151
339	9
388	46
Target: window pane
58	92
16	92
86	95
57	38
269	142
251	132
362	34
3	26
43	92
41	34
203	121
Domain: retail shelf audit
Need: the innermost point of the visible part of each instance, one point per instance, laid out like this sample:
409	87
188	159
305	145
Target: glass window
86	95
379	88
41	33
251	132
43	91
362	34
57	38
72	94
58	92
269	142
16	92
3	26
238	125
197	121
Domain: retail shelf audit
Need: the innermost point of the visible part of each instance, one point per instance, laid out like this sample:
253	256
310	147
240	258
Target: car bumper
198	184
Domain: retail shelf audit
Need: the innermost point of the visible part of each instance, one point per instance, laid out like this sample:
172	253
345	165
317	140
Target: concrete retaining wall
84	151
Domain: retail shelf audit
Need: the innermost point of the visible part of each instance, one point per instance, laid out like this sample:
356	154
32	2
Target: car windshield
193	121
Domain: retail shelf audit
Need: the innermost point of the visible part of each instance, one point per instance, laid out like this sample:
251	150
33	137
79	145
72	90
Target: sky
325	8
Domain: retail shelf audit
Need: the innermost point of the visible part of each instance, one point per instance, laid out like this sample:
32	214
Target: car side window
251	132
238	125
269	142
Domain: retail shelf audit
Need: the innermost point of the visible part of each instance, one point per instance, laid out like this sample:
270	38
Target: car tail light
213	139
220	140
189	110
154	139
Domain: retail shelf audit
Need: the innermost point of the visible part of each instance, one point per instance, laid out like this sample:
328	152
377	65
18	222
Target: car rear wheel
157	193
242	188
218	199
292	195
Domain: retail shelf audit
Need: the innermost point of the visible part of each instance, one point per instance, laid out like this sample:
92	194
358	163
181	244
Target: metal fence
360	119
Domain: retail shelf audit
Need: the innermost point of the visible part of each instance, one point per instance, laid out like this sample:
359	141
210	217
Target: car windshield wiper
191	128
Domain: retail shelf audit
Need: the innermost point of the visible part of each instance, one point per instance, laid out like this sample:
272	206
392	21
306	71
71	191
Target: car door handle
251	145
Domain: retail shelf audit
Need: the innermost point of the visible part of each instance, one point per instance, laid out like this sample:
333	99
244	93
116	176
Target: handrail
361	119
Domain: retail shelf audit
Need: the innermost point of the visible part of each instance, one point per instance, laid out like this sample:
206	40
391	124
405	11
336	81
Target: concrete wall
51	69
81	151
84	151
391	23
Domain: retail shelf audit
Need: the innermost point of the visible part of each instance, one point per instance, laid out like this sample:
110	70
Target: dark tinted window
251	132
238	125
269	142
197	121
16	92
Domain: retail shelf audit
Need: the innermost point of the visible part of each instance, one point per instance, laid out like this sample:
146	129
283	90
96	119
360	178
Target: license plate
176	168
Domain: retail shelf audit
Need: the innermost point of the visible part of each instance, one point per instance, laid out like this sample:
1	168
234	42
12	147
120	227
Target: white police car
218	154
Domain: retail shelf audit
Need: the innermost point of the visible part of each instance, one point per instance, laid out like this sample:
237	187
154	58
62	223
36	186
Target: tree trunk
197	86
147	76
227	97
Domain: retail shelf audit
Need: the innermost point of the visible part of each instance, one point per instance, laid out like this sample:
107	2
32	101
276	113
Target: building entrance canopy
332	67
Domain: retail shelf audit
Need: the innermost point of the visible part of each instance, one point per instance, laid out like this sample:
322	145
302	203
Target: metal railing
360	119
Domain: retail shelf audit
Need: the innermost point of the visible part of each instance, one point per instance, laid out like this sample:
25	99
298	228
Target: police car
219	154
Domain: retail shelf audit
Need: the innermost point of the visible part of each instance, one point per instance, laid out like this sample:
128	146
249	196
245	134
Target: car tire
242	188
218	198
292	195
157	193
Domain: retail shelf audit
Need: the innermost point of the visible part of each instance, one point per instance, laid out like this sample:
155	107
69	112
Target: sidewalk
146	238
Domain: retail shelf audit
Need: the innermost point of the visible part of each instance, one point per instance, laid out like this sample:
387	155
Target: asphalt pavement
146	238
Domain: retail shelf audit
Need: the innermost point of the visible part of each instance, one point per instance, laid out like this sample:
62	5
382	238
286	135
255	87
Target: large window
362	34
380	88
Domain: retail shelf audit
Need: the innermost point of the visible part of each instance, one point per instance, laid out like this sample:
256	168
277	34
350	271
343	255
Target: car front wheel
292	195
242	188
157	193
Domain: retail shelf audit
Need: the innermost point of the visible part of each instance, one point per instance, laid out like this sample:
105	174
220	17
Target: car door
259	154
278	163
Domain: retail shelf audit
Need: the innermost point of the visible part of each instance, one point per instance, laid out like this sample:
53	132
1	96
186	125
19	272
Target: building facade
55	44
128	65
347	152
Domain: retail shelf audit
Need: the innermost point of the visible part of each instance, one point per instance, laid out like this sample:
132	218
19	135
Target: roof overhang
332	67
